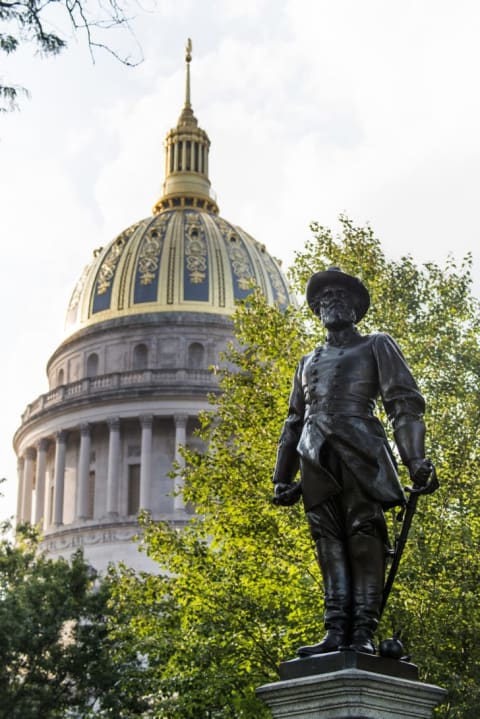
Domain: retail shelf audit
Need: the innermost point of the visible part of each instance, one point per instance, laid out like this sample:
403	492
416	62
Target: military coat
334	393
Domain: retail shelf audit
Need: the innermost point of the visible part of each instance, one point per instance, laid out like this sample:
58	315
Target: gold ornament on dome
195	250
275	280
107	270
77	292
238	255
149	257
240	263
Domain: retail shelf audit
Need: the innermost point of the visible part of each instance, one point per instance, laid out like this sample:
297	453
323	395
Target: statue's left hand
287	494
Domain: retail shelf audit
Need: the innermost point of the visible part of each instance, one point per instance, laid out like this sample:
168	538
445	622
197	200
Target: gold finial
188	59
188	51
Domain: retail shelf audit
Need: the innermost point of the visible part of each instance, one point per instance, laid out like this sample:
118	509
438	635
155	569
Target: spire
187	117
186	159
188	60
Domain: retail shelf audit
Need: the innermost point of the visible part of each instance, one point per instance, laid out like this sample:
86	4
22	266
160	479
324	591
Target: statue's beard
337	316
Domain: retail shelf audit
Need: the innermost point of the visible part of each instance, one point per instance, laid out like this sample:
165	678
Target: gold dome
185	257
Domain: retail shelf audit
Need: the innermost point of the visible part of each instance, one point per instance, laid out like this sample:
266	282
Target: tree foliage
238	589
46	24
56	655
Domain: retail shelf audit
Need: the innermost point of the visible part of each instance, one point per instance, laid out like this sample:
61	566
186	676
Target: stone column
180	440
20	464
28	474
146	461
83	472
42	447
59	477
113	466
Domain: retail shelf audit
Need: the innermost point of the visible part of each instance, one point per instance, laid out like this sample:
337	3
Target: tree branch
32	26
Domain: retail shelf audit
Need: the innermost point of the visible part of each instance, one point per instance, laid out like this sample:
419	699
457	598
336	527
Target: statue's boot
336	582
367	557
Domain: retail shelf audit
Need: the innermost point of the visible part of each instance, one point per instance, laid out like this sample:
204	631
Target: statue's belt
338	406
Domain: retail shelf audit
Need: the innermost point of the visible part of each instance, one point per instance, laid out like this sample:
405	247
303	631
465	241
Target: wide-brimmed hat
335	276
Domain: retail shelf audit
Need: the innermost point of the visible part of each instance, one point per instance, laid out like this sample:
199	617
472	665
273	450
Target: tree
238	589
45	24
56	655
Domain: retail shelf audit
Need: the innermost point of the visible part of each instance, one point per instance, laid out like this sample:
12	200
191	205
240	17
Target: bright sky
313	108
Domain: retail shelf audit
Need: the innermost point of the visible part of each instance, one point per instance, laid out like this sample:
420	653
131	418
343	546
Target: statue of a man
348	472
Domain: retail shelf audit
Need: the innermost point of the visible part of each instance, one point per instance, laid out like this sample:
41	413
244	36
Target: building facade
146	323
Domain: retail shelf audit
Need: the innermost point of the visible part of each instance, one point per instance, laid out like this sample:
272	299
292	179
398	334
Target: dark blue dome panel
196	259
241	265
102	296
148	261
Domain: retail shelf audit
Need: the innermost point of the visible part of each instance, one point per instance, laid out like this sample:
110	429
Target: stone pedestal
350	685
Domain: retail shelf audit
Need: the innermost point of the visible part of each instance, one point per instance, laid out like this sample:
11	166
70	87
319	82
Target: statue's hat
334	276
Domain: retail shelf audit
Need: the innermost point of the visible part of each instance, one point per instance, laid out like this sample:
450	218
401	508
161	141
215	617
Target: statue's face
336	307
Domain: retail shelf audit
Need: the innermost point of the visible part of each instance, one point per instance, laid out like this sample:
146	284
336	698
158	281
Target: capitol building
146	323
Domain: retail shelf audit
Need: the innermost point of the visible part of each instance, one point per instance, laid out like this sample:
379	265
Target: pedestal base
347	659
344	686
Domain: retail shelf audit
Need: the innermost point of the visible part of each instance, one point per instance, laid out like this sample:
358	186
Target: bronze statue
348	472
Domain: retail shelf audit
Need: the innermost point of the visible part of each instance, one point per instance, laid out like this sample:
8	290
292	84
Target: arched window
196	356
92	365
60	377
140	357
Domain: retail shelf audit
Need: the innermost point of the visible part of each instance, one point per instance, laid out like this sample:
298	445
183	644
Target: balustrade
96	385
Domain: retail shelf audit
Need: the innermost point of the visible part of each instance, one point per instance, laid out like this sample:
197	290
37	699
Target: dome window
91	495
60	377
196	356
133	498
140	357
92	365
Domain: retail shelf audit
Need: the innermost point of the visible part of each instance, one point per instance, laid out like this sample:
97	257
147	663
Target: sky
314	108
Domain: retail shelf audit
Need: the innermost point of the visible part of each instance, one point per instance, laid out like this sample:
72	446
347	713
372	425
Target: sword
431	486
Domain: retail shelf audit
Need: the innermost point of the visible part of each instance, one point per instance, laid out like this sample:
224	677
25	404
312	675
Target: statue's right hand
424	476
287	494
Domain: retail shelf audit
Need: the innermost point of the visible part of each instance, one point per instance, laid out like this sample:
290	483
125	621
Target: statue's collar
343	337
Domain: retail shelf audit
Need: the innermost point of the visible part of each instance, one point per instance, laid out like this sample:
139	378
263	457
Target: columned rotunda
145	324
